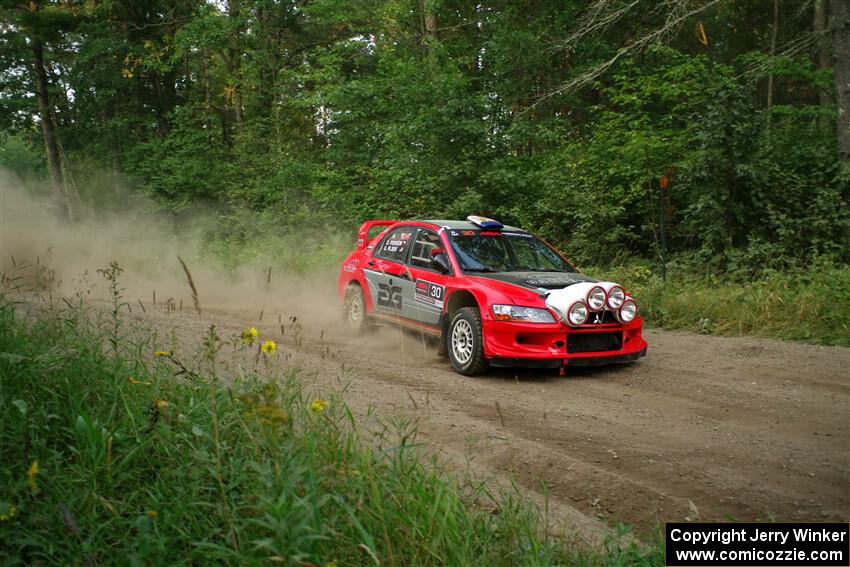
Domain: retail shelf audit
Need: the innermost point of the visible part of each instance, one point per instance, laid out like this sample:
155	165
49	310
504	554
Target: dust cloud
38	247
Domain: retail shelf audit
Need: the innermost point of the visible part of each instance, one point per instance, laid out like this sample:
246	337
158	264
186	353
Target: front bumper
558	362
530	344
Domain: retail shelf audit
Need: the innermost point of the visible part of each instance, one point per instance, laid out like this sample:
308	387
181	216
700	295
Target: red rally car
490	294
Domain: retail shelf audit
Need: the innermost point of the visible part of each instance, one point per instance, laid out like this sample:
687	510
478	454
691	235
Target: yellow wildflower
153	514
318	406
331	563
162	404
269	414
161	353
128	74
9	514
32	473
250	335
269	346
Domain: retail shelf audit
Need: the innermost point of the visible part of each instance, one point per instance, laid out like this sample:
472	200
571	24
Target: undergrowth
112	455
805	303
808	305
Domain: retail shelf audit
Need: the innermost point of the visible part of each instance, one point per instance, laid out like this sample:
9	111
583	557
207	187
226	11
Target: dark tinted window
426	241
394	246
505	252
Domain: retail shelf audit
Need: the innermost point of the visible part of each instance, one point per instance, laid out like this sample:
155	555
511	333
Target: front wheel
466	342
354	311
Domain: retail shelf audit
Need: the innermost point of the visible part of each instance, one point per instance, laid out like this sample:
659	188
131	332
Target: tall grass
113	456
811	305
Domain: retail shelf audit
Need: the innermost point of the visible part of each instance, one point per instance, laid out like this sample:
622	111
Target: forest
713	134
180	180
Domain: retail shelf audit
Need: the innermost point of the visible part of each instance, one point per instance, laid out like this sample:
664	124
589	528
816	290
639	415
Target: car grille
600	318
594	342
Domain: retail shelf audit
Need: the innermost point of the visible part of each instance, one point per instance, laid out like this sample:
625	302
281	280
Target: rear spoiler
363	233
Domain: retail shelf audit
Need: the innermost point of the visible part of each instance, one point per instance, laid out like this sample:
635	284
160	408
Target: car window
394	246
480	253
426	241
505	252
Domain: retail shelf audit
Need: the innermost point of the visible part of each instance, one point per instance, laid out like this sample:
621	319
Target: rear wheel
466	342
354	311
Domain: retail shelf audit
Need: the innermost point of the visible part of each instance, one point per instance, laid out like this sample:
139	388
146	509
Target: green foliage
112	457
284	116
807	305
19	158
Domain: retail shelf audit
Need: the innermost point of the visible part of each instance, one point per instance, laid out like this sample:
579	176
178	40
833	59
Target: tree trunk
48	130
774	31
160	108
205	81
822	58
840	27
429	20
235	63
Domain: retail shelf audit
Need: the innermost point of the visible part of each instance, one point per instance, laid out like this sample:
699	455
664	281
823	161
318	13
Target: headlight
524	314
577	313
616	297
596	298
627	311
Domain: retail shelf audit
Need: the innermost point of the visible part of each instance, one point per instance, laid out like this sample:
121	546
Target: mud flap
443	344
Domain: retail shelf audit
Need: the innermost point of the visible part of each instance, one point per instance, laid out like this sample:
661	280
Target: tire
465	342
354	310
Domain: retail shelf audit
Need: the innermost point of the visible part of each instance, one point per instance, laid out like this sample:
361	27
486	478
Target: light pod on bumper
615	293
570	303
628	311
577	313
596	298
592	293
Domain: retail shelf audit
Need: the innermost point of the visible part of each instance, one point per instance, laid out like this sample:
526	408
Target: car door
427	294
387	275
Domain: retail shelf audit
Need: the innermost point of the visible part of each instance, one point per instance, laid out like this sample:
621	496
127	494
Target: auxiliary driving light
627	312
596	298
577	313
616	297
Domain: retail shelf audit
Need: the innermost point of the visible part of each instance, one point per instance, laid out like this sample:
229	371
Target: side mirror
440	262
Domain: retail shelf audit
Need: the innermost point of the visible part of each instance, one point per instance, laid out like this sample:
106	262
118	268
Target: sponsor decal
351	267
392	246
430	293
490	233
389	296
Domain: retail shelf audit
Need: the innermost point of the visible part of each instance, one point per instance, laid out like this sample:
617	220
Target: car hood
530	284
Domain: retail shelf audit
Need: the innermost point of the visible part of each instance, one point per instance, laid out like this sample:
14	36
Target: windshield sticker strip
466	232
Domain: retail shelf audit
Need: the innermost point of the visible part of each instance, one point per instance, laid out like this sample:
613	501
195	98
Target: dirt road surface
702	428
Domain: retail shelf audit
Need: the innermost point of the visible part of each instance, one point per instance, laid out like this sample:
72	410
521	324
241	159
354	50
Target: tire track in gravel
702	428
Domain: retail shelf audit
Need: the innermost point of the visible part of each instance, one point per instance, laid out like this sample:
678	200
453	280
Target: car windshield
482	251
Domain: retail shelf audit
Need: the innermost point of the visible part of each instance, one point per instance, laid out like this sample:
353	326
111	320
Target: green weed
112	455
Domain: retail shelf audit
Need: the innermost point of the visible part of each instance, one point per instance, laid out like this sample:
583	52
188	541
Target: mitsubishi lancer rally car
491	295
